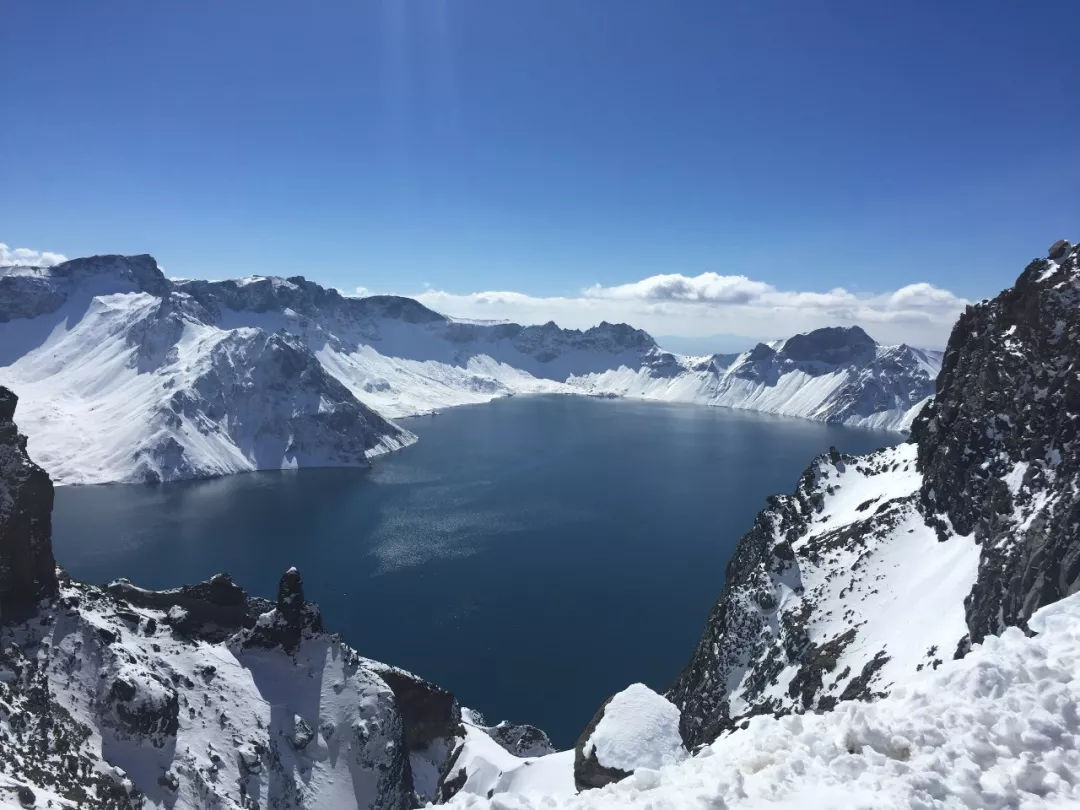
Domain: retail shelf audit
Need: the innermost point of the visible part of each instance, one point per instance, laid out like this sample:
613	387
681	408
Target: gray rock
588	772
27	567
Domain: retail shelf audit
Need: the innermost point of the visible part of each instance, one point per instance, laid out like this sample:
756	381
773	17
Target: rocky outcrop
588	772
999	449
968	528
521	739
212	610
429	712
27	568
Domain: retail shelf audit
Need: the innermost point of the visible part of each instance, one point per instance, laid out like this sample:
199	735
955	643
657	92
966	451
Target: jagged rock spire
27	568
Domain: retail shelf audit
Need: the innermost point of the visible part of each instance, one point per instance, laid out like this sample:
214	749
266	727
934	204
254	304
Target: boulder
635	728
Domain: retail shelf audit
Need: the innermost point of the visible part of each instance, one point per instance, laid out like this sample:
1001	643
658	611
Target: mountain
129	376
129	380
834	374
879	566
903	630
201	696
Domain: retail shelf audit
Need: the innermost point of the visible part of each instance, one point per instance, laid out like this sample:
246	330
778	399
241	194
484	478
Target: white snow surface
125	375
999	728
639	729
315	729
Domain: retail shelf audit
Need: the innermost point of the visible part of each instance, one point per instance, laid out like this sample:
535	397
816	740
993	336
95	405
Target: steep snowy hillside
997	729
887	564
833	375
852	659
129	376
124	379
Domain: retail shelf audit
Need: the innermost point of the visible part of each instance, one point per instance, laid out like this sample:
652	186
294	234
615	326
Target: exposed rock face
967	529
27	568
521	739
212	610
429	711
998	447
289	622
588	772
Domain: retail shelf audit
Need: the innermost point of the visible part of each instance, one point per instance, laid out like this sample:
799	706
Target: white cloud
674	304
28	257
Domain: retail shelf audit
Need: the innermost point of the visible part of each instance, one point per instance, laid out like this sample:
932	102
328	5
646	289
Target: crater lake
534	555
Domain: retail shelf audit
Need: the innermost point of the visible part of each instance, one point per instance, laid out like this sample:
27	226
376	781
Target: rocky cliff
998	447
27	569
882	565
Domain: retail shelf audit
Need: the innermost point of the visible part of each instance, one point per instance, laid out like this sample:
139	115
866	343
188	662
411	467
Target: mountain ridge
314	376
976	516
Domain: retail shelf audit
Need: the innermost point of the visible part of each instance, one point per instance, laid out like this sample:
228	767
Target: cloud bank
710	303
28	257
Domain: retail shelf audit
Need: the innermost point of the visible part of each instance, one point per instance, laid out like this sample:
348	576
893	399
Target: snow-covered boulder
636	728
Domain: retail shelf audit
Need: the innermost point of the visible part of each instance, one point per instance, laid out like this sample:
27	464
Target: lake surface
534	555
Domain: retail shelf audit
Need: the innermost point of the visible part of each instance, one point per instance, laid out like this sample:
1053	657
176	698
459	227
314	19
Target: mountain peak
836	345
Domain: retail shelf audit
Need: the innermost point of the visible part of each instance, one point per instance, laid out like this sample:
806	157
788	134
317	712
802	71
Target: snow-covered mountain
129	376
902	631
834	374
128	380
883	565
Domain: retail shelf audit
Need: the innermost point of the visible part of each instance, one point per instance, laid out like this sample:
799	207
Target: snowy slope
119	384
880	565
997	729
128	376
831	375
163	709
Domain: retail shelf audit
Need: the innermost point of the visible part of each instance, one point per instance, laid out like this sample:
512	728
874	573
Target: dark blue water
534	555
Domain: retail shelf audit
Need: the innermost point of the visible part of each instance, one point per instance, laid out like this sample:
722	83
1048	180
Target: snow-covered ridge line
130	376
998	728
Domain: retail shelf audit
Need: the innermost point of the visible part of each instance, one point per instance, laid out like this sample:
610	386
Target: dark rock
25	796
290	619
588	772
302	734
150	708
27	567
521	740
1008	408
835	345
212	610
428	712
1059	249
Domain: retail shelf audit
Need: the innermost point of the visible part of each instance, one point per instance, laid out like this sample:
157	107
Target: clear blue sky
546	146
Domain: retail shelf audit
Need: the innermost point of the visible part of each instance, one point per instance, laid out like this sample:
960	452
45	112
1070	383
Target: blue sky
546	148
